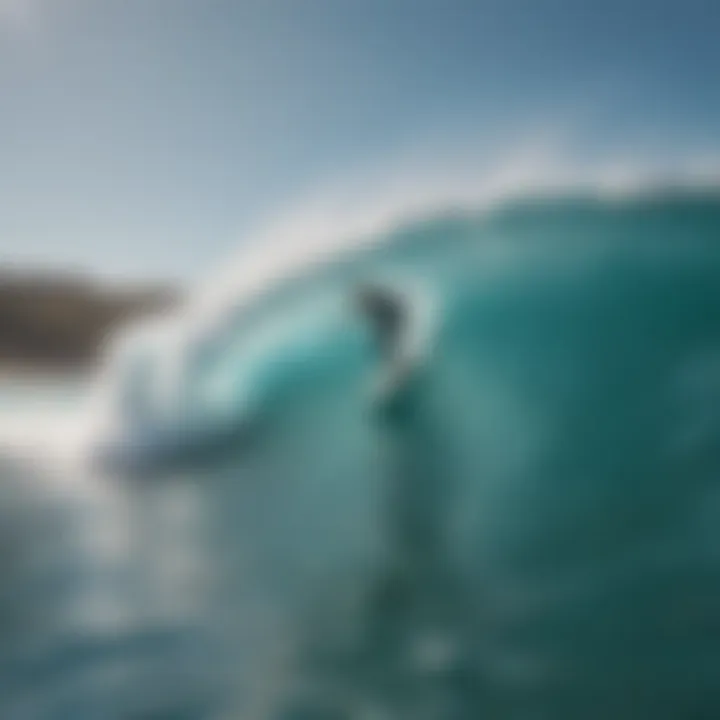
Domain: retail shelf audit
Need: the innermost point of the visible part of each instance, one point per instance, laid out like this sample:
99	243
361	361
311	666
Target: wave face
527	529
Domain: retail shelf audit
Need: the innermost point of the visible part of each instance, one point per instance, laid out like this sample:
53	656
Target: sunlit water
528	530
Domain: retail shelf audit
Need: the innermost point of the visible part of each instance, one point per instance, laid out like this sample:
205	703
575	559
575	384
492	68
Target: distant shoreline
39	373
54	324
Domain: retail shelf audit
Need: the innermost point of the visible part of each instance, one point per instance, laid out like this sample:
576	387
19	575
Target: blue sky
147	137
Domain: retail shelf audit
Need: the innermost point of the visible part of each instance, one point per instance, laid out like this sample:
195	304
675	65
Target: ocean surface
229	522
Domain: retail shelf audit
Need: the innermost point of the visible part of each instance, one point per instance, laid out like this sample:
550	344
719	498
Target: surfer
392	320
388	317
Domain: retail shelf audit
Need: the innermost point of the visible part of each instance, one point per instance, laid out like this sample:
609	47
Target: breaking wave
529	528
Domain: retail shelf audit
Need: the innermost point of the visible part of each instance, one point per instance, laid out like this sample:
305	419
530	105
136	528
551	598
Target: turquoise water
529	529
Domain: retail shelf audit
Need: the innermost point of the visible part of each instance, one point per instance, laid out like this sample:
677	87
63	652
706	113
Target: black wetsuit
387	313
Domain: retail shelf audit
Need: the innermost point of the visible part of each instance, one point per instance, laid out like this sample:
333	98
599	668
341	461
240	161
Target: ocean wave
530	527
296	284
